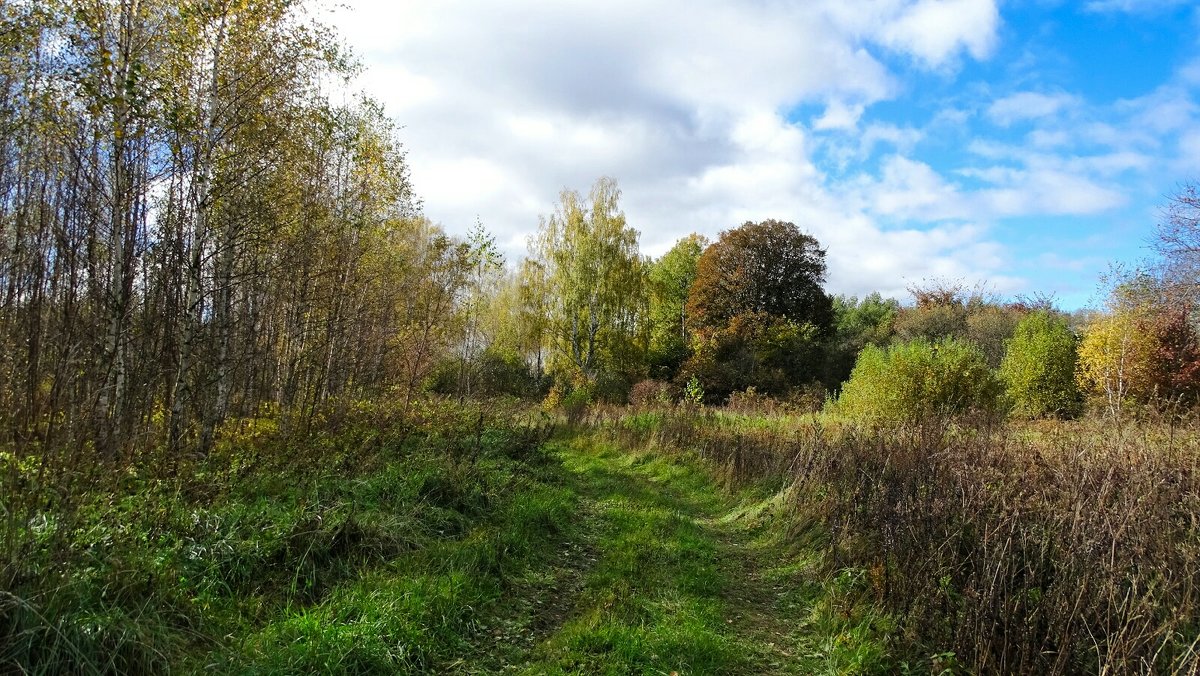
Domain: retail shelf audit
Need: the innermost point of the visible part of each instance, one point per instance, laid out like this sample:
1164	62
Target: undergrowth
1057	547
368	543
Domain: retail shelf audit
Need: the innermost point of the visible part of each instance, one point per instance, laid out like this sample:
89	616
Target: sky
1023	144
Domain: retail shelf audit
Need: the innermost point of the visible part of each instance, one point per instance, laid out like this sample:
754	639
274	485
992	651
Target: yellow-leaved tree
1116	355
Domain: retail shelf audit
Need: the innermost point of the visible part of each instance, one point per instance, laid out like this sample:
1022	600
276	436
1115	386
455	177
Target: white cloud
839	115
934	30
1028	106
690	106
1133	6
504	104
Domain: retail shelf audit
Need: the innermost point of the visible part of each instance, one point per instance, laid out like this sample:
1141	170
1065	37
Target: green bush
575	404
1039	368
493	372
919	382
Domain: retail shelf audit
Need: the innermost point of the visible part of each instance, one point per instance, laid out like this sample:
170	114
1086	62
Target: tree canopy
770	267
670	279
595	281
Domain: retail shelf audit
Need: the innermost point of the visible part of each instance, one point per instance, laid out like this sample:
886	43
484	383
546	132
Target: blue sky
1023	144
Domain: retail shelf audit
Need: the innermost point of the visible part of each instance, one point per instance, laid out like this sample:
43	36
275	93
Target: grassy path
668	574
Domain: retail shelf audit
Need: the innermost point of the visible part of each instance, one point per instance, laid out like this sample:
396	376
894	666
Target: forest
258	414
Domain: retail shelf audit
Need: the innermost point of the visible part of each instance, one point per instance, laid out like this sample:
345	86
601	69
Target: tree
1116	355
594	285
1038	369
770	267
1175	362
950	309
191	230
858	324
1178	242
670	278
757	311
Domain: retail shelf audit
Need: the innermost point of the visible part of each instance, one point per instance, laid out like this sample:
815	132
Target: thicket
1038	368
920	383
197	227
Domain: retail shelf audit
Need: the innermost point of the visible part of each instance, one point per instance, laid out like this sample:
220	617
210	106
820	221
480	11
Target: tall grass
368	538
1061	547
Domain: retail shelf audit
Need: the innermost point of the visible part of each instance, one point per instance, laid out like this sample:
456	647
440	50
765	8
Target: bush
493	372
919	382
651	393
575	404
750	401
611	387
772	354
502	372
1039	368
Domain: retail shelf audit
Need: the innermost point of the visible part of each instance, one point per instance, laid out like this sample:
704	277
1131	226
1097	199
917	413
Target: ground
666	572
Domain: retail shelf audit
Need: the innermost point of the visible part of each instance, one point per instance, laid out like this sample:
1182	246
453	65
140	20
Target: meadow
261	414
468	538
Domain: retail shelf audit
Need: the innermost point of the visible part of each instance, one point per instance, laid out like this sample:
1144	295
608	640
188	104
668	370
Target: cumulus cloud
934	30
687	103
694	107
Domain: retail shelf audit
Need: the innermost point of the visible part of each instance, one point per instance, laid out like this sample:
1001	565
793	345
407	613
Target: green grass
464	552
690	579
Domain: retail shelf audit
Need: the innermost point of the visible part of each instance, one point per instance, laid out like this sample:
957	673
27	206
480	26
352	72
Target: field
482	540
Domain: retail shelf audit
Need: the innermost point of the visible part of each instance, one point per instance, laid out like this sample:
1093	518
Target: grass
449	544
1045	546
689	578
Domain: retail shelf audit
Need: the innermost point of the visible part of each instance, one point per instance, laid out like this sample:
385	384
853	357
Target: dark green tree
857	324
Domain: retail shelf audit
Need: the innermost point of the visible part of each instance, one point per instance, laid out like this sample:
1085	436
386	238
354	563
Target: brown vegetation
1059	547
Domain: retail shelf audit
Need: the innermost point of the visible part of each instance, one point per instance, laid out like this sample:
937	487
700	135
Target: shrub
693	393
918	382
1039	368
575	404
502	371
611	387
493	372
751	401
650	393
770	353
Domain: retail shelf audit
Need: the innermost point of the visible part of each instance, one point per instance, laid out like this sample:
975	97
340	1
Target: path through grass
675	575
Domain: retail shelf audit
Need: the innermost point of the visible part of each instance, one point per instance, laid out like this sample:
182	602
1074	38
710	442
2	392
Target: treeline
586	318
197	222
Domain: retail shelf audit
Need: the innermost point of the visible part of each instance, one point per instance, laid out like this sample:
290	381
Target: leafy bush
770	353
1039	368
693	393
611	387
575	404
504	372
750	401
919	382
493	372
